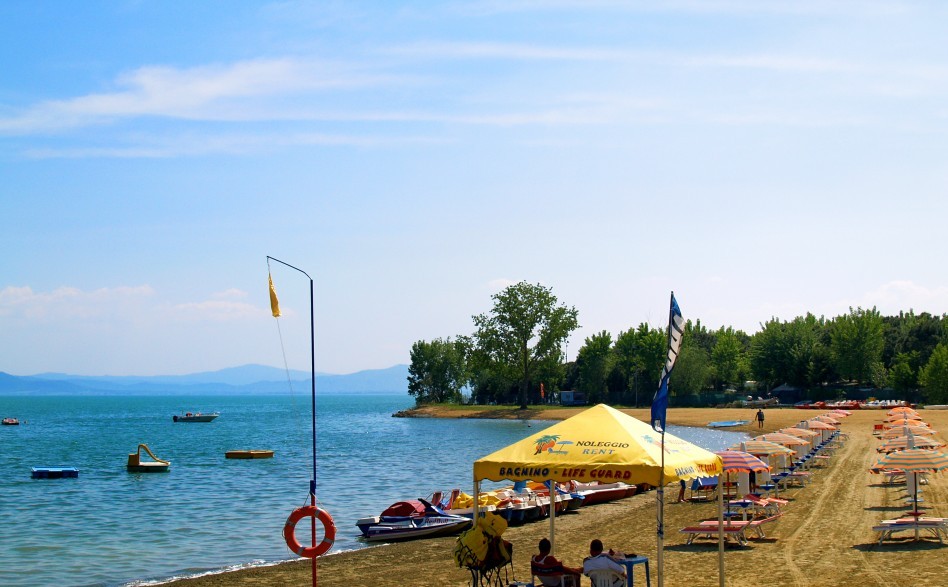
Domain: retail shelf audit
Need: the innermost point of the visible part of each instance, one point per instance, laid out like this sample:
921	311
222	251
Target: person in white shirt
597	560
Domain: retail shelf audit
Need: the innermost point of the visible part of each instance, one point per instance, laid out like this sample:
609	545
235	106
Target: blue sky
761	159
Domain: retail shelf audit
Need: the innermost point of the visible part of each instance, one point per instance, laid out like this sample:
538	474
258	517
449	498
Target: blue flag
675	328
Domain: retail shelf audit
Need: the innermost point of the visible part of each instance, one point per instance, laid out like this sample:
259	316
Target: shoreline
826	529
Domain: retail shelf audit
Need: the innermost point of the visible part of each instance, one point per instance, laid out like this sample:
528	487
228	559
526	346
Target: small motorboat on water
195	417
411	519
11	422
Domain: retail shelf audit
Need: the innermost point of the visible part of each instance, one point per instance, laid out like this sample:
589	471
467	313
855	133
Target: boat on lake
195	417
11	422
411	519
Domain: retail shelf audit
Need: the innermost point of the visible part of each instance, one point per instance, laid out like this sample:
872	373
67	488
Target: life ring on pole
329	531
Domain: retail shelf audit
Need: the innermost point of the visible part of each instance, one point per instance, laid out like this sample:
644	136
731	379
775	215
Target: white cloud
197	93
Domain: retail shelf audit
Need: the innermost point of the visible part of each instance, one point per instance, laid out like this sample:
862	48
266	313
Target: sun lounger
887	528
733	530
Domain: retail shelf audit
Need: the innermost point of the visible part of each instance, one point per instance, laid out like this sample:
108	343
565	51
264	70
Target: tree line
516	355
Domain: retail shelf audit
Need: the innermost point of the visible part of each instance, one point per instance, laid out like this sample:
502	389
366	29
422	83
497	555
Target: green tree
692	371
525	328
726	356
934	376
857	342
595	361
438	371
903	376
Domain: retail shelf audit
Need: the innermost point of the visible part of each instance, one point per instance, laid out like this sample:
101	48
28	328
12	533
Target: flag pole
659	408
312	355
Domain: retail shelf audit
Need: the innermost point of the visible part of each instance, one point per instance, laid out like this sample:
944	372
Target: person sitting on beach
549	570
599	560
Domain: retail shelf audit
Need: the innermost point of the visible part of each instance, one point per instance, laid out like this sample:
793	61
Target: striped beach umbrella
895	417
839	414
904	442
818	425
801	432
904	430
901	410
782	439
827	420
915	460
740	461
904	422
760	448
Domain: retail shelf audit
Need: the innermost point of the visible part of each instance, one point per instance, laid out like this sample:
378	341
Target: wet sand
825	536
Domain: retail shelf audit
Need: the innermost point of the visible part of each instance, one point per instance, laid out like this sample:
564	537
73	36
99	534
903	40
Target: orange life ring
329	534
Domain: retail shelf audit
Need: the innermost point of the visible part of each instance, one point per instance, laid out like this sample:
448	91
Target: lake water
110	527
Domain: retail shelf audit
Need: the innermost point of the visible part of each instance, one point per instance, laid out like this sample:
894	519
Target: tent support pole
552	487
477	490
720	533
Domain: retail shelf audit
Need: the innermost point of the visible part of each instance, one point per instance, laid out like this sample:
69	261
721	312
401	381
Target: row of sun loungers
937	527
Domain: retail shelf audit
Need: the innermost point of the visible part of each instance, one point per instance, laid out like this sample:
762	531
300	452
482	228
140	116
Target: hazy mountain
243	380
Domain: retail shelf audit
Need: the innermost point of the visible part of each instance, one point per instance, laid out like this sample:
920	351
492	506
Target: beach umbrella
904	442
901	410
904	422
815	424
782	439
914	460
904	430
740	462
760	448
895	417
801	432
839	413
827	420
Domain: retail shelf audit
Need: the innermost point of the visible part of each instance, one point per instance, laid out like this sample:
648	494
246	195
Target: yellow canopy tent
598	444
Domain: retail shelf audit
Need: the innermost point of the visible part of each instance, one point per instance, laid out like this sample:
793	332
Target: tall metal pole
312	363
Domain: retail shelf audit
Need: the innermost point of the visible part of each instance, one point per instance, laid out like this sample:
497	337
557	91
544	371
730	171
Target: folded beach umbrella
782	439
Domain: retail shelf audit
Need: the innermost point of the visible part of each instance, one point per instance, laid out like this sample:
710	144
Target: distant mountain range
243	380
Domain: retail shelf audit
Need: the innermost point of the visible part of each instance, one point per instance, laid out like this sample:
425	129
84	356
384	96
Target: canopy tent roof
598	444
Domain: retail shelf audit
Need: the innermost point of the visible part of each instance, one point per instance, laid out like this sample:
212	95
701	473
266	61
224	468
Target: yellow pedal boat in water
249	454
136	465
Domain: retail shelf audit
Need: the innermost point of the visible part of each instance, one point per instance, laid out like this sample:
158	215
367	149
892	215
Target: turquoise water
110	527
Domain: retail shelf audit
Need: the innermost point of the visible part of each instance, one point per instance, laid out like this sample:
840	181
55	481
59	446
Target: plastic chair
605	578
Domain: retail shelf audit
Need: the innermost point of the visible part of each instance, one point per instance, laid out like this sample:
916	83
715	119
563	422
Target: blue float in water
54	472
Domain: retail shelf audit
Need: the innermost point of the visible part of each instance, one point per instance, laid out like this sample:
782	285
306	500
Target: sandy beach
825	536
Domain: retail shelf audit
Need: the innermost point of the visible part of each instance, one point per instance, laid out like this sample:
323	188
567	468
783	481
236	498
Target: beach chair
551	576
734	530
605	578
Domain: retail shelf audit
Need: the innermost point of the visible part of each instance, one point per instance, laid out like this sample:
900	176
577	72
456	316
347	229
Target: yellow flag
274	302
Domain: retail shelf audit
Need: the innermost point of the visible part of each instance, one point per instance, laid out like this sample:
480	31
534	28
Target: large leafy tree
524	329
438	371
857	344
640	356
934	376
595	361
726	356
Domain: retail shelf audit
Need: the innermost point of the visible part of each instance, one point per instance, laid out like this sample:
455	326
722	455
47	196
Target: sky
761	159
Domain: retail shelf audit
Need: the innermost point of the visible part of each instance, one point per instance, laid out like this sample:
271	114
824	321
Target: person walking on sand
760	418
